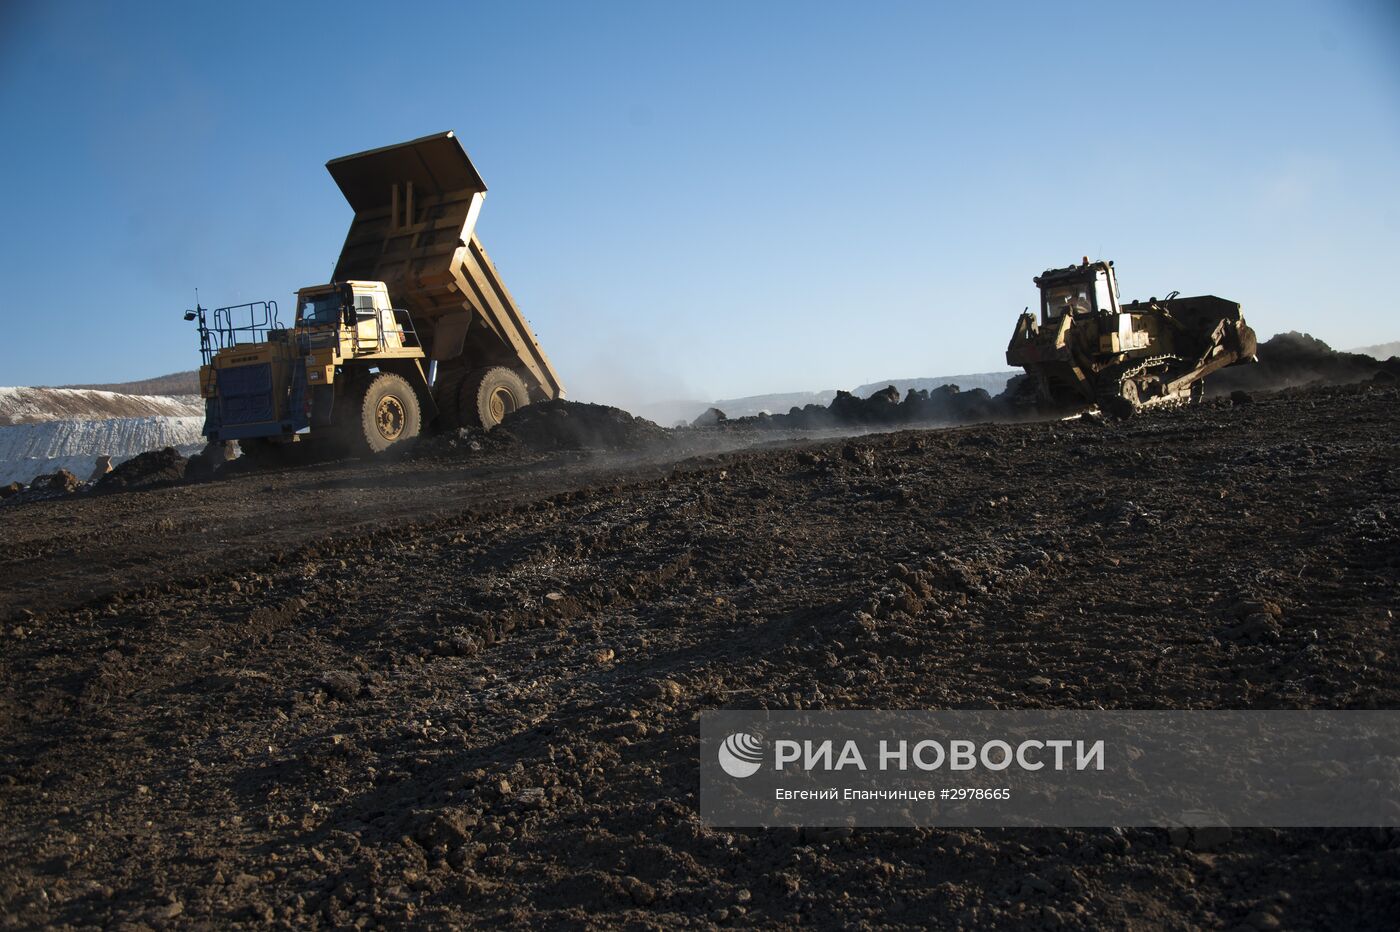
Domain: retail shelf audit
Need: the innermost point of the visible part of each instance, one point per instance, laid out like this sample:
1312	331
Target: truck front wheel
490	394
389	415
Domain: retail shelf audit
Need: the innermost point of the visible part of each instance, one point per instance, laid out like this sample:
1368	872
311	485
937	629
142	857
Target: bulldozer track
1112	387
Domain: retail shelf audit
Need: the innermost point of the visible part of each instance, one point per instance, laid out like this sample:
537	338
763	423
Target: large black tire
489	394
447	394
388	415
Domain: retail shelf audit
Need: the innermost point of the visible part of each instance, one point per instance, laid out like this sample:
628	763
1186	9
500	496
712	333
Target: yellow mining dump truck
415	328
1084	348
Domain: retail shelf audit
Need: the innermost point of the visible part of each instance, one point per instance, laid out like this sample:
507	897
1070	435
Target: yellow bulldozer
415	328
1084	348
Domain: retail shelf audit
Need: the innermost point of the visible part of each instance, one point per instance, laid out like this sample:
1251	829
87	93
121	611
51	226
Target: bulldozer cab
1077	291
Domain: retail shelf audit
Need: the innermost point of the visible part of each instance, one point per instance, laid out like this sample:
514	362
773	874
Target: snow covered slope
46	429
36	405
29	450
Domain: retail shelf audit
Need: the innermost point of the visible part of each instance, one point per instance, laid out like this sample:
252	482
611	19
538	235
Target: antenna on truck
206	351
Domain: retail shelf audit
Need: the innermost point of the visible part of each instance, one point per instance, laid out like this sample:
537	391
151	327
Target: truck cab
362	317
352	320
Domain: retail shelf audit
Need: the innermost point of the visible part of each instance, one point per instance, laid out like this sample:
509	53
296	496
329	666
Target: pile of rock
946	404
149	469
49	485
570	425
1290	359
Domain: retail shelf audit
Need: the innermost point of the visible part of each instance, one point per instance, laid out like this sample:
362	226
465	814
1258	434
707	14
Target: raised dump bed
416	206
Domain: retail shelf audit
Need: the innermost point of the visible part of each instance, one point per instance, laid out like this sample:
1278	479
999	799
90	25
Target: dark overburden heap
152	468
944	405
570	425
1291	359
462	442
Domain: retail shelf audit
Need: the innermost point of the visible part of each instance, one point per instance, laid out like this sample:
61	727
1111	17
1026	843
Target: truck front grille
245	394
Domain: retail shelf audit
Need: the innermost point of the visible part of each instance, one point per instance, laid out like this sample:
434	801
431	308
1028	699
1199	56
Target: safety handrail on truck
230	331
381	342
405	332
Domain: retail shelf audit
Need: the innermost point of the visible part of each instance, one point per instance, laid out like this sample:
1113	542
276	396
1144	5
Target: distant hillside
993	382
773	404
176	383
671	412
1380	350
678	411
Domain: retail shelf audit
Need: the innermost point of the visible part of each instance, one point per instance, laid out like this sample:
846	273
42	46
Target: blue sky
706	199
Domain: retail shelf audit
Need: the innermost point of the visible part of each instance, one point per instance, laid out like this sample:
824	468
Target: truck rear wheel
447	393
488	395
389	415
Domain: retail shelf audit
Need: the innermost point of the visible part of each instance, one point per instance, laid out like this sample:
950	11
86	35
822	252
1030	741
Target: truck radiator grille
245	394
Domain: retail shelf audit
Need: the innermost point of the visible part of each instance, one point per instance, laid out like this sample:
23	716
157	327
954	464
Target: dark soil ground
464	688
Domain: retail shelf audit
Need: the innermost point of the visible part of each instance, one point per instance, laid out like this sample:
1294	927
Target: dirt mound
463	442
1290	359
709	418
571	425
946	404
204	464
153	468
